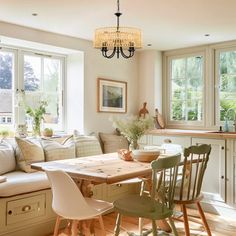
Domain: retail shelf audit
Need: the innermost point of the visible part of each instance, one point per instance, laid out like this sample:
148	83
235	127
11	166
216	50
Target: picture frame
112	96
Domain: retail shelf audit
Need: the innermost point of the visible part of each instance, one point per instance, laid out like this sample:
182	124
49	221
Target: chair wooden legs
154	228
56	228
202	215
186	225
117	227
173	226
102	225
74	228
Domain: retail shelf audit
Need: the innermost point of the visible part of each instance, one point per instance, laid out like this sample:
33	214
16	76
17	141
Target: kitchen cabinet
215	179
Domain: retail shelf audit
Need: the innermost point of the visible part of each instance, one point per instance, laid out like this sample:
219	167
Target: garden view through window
227	84
186	97
42	81
39	79
6	87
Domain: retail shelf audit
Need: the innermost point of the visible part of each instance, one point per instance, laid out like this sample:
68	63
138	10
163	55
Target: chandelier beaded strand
118	39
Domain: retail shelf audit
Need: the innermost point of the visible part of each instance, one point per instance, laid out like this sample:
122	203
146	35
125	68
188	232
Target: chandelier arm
131	52
104	53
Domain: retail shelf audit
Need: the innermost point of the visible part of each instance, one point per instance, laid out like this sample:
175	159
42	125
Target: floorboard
219	226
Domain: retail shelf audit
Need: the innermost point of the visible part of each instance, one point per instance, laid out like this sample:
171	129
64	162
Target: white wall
150	79
94	66
75	93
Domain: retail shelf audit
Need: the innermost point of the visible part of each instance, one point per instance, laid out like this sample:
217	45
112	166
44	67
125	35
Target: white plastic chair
69	203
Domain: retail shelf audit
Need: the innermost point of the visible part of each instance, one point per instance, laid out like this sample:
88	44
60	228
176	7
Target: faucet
226	119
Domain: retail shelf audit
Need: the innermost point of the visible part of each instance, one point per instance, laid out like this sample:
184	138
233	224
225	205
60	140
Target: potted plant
3	134
37	116
133	128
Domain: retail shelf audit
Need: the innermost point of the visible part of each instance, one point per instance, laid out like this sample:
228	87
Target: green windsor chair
159	205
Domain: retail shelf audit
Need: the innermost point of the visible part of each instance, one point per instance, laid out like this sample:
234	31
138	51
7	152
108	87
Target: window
226	84
6	84
186	89
40	77
43	81
3	120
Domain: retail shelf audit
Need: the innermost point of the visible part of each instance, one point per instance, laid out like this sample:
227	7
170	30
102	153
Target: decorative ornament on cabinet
159	121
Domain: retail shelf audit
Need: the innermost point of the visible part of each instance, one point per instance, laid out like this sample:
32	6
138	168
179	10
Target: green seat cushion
141	206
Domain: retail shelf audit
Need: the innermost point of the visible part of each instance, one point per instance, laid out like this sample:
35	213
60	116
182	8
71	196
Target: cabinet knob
10	212
222	177
26	208
222	147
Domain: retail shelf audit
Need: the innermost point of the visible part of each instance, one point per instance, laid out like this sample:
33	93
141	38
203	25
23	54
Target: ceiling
166	24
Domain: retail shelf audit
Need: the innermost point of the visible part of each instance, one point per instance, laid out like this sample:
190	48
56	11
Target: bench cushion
19	182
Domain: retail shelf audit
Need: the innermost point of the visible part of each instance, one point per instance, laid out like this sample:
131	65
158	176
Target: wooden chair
157	206
189	191
69	203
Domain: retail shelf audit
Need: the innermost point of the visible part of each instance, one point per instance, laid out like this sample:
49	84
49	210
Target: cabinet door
214	181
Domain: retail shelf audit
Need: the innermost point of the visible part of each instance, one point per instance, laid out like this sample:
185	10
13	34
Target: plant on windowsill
37	116
133	128
3	134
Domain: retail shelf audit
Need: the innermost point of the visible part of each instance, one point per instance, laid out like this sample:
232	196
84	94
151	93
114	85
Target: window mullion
186	91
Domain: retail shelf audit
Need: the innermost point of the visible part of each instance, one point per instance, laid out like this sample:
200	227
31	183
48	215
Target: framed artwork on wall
112	95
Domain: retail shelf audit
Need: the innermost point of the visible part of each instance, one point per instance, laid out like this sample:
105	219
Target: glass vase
36	131
133	145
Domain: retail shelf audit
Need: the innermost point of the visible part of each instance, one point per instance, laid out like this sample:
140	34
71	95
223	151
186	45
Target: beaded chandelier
117	40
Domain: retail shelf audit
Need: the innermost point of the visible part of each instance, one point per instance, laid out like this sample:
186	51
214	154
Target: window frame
168	89
217	52
18	112
14	86
41	55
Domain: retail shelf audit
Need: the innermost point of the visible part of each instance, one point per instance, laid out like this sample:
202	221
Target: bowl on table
145	155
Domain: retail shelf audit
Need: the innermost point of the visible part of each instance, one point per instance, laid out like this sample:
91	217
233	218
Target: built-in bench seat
19	182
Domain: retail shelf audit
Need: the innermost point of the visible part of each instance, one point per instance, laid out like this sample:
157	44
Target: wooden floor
219	226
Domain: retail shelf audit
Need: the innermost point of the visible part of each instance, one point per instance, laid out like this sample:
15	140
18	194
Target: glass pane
227	82
178	110
53	109
6	87
194	67
178	89
194	93
32	73
178	68
187	84
51	75
194	110
225	105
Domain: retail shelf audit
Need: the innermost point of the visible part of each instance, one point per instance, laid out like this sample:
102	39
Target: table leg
86	226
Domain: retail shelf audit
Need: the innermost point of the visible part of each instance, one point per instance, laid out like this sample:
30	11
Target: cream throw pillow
28	152
7	158
113	142
87	146
56	151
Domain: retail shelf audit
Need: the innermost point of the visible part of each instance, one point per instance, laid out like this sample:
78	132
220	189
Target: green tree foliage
31	82
187	88
5	71
227	84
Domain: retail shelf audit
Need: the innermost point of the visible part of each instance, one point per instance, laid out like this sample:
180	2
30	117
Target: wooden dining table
98	169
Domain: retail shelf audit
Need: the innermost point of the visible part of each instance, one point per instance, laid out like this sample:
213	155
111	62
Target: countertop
194	133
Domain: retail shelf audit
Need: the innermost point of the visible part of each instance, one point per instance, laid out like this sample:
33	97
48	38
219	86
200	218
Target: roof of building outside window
5	101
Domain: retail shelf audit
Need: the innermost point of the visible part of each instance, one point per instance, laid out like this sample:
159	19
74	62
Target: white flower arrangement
133	127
